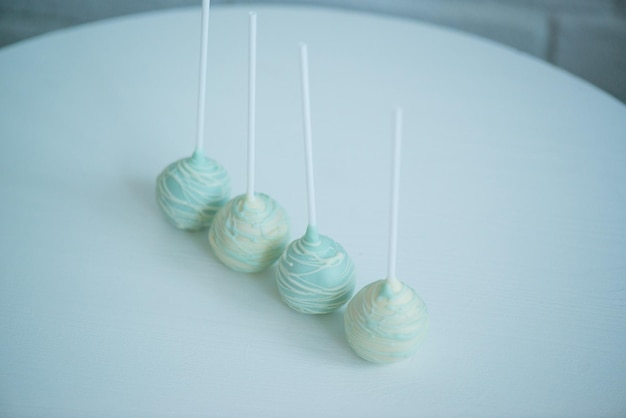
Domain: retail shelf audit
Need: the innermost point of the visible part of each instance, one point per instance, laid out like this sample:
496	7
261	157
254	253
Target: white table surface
512	222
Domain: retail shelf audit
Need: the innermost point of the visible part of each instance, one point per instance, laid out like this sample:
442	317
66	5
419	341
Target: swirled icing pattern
315	275
385	323
191	191
249	235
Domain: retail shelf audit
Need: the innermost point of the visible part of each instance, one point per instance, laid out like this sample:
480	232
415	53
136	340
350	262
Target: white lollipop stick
395	188
203	66
306	108
251	106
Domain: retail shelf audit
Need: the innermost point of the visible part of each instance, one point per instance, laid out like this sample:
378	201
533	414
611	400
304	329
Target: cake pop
251	231
386	320
191	190
315	275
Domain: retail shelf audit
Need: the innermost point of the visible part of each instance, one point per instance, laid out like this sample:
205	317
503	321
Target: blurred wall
585	37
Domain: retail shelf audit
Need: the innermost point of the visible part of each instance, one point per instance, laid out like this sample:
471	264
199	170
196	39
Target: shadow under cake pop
190	191
252	230
386	321
315	274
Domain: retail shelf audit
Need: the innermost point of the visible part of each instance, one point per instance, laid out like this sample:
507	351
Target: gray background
585	37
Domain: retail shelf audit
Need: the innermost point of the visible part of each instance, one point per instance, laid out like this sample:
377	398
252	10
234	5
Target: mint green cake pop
191	191
315	274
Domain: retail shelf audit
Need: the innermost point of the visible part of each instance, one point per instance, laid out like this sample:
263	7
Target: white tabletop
512	222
